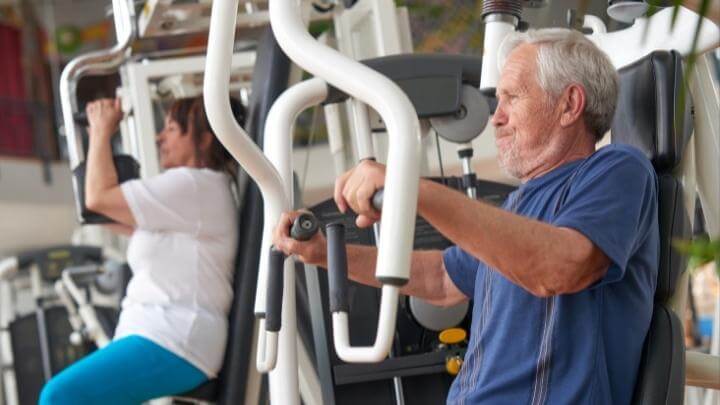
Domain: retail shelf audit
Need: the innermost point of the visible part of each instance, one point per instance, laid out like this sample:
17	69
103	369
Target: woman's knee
53	393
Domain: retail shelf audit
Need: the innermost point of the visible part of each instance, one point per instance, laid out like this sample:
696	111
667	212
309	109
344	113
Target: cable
439	153
311	139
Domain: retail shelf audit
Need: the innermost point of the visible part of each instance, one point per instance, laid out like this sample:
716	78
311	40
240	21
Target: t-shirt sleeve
613	202
462	269
164	202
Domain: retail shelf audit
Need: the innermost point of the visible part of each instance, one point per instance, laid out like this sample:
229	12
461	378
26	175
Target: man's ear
572	104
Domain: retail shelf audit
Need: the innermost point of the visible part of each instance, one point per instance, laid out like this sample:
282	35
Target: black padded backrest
661	376
645	117
674	224
648	117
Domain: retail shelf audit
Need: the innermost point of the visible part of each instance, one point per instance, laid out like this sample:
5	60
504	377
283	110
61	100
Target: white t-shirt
182	255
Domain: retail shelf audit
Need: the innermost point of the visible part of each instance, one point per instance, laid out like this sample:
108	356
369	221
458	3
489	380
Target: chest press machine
273	173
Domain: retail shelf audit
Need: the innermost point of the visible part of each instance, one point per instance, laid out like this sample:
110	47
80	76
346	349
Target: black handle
304	227
273	307
81	119
377	199
337	267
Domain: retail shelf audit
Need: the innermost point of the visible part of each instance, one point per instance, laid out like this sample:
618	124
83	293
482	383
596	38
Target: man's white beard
509	162
512	164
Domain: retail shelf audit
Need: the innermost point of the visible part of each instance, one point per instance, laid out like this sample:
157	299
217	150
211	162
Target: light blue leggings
130	370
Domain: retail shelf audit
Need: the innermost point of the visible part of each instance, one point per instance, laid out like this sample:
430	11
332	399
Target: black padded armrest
645	117
127	168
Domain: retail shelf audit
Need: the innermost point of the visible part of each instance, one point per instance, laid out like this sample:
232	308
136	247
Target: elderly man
563	275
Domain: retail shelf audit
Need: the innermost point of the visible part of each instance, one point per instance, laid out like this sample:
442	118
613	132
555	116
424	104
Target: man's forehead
521	58
520	64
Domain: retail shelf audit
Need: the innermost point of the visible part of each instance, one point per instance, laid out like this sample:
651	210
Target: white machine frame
138	98
294	40
272	170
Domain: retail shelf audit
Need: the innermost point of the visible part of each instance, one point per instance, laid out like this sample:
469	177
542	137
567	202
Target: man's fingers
364	221
339	189
364	200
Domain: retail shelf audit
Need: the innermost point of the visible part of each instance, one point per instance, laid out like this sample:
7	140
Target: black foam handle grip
377	199
273	307
337	267
81	119
304	227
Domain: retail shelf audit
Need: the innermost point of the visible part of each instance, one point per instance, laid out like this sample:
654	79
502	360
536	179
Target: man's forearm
426	271
537	256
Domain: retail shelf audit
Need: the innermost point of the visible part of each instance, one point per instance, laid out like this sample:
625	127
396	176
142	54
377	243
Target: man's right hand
313	251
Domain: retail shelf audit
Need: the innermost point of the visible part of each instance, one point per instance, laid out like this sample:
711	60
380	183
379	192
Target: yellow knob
452	336
453	365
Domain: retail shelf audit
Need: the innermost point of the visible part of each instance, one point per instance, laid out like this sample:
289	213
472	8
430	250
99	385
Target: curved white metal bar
596	24
705	90
386	330
267	349
401	184
98	62
654	34
216	93
8	267
87	313
278	149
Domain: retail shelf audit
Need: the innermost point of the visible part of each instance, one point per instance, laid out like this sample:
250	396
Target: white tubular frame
98	62
278	149
87	313
8	267
335	137
216	93
401	188
652	34
497	27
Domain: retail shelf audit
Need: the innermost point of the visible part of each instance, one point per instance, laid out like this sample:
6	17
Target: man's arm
543	259
428	278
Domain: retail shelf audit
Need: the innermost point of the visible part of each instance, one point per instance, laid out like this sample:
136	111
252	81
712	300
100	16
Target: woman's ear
206	141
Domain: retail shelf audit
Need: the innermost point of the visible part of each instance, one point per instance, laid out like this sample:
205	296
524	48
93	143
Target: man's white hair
565	57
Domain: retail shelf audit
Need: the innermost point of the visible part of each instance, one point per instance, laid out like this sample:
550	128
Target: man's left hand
355	190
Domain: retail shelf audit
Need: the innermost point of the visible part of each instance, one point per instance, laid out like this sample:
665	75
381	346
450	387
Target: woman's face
176	148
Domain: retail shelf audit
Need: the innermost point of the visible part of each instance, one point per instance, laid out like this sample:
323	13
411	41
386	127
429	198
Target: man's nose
499	118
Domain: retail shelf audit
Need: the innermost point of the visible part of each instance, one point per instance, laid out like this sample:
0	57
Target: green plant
700	251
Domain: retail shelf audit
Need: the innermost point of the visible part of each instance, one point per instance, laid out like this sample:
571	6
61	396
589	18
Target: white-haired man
563	276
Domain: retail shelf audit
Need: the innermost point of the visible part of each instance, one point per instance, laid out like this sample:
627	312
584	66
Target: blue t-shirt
581	348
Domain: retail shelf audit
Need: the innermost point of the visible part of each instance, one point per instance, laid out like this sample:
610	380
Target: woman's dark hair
189	113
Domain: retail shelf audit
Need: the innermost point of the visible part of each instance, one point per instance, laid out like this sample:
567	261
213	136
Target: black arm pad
273	306
337	267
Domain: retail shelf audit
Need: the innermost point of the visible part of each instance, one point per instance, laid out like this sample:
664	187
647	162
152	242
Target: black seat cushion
661	376
645	117
674	224
207	391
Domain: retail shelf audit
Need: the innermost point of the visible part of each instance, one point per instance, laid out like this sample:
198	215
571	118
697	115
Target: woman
173	325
